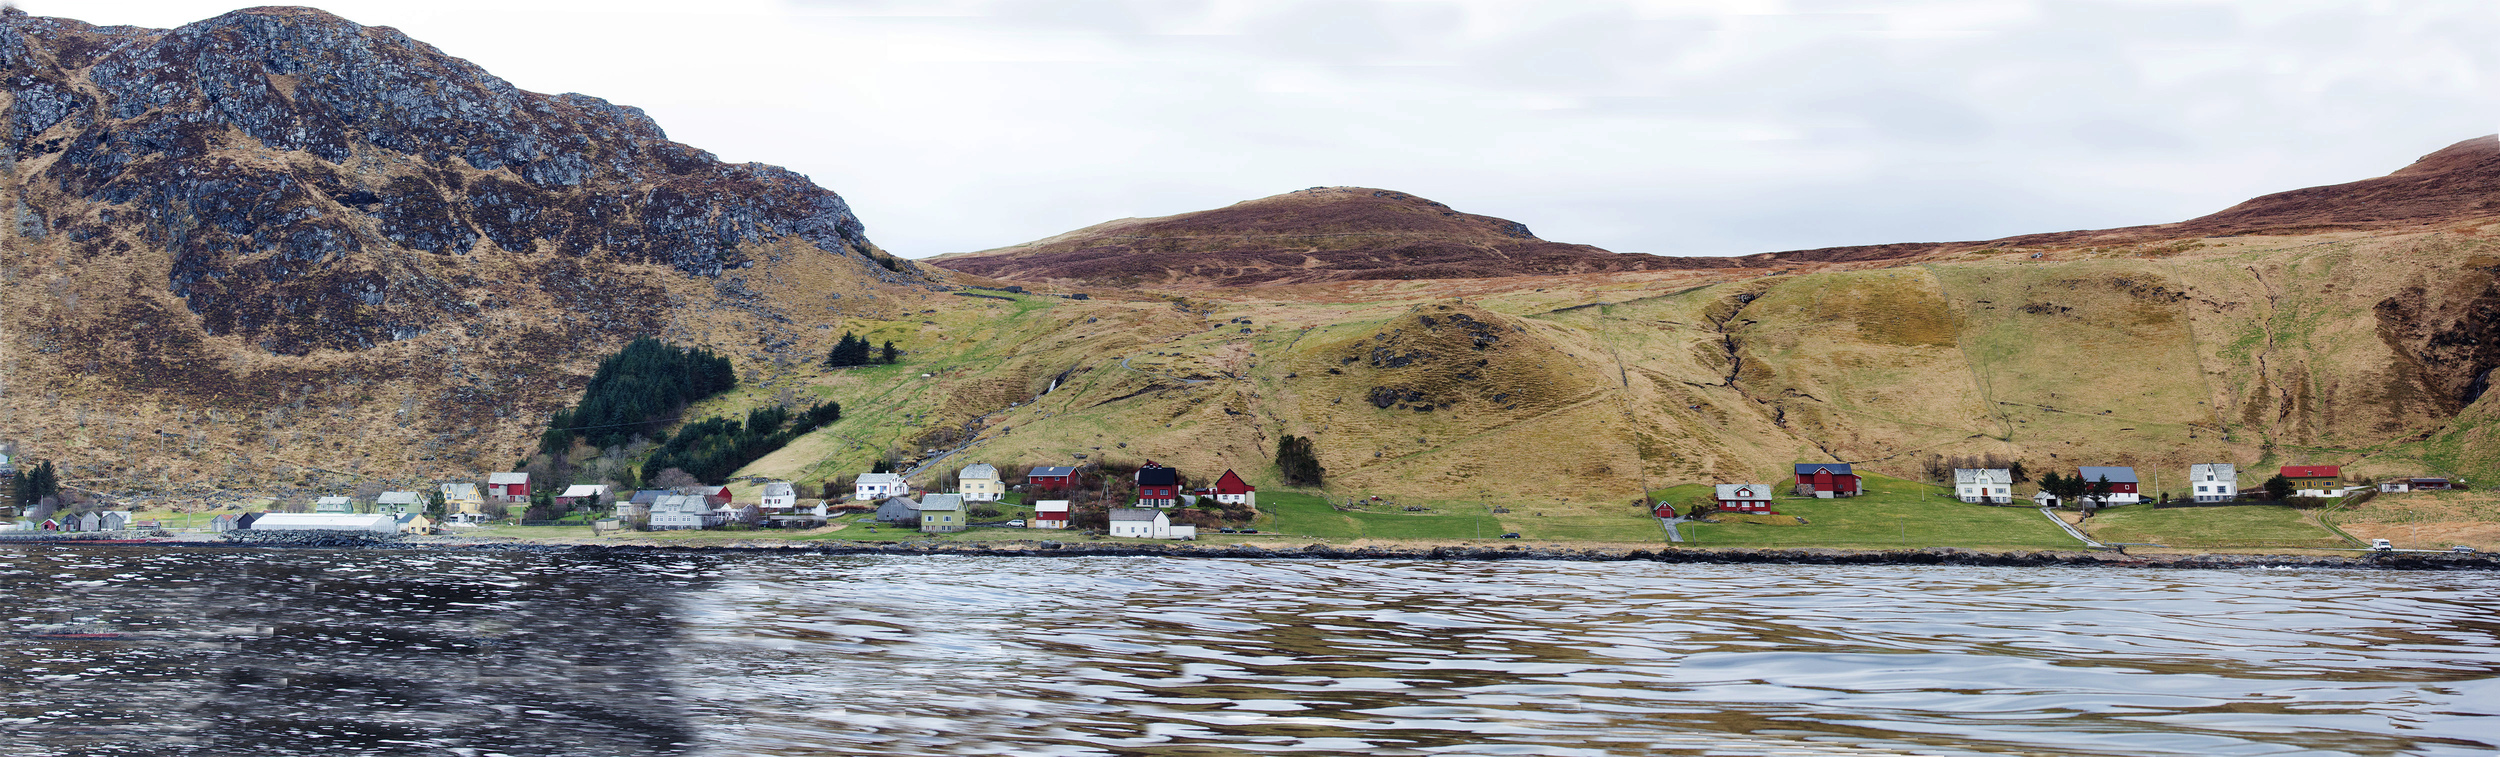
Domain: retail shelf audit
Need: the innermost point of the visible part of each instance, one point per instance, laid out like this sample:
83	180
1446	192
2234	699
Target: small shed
1049	513
1744	498
898	511
2394	487
413	523
222	523
2430	484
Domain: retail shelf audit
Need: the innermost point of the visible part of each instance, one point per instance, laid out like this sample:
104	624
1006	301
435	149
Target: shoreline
2438	561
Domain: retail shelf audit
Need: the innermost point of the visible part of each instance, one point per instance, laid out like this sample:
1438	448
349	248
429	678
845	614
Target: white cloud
1668	127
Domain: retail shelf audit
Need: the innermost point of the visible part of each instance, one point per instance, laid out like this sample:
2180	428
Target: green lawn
1299	514
2235	527
1892	514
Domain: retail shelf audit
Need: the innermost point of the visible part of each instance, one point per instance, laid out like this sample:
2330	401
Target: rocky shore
1816	556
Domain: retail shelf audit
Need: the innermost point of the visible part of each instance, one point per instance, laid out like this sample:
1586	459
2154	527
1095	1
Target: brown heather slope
1355	233
1311	235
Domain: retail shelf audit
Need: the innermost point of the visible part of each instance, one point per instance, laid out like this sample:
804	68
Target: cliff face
216	232
287	155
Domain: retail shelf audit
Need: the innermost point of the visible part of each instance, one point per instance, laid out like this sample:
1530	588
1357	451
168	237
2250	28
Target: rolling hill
277	250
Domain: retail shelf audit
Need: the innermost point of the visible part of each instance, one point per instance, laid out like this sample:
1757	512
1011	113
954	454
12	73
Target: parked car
1017	523
1511	535
1225	531
1249	530
2462	549
2382	545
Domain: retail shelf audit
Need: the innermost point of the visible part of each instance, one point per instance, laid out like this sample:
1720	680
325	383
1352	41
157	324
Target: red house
1745	498
1158	486
1231	490
508	488
1051	478
1827	480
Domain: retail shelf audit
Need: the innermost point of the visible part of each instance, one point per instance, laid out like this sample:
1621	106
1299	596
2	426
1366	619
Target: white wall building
673	512
1148	523
380	524
877	486
1989	486
1049	513
2214	482
779	497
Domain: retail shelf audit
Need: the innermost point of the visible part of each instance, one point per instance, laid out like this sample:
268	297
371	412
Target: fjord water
118	650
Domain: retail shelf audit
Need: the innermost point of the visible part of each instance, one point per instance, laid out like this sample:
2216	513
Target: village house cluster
2102	486
1158	490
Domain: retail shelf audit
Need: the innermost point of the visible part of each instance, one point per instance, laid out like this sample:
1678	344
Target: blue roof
2115	475
1805	468
1052	470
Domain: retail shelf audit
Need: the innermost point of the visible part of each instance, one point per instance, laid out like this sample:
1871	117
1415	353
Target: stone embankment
328	539
1936	556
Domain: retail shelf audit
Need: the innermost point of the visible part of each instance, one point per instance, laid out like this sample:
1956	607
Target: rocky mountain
278	207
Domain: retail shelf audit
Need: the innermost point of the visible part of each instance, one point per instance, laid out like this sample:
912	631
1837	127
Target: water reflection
244	652
247	652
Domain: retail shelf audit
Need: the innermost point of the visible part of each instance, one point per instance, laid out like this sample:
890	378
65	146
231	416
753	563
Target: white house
779	497
1992	486
876	486
979	482
1148	523
2044	499
2395	487
333	505
1049	513
671	512
380	524
2215	482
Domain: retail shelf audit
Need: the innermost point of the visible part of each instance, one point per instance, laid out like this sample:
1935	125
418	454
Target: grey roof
2221	472
866	479
780	489
398	498
507	478
584	490
460	491
942	502
330	501
1052	470
1973	475
648	496
2115	474
1807	468
979	470
1134	513
1757	491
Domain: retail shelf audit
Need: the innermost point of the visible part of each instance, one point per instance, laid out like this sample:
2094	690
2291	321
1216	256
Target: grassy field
2238	527
1299	514
1893	514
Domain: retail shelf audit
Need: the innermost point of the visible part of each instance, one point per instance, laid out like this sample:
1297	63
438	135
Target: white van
2381	545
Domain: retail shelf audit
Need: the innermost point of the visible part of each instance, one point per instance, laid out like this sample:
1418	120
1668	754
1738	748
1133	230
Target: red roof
2313	471
1232	484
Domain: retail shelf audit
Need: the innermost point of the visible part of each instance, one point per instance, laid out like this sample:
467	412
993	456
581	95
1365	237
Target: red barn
1745	498
1827	480
1051	478
1158	486
508	487
1231	490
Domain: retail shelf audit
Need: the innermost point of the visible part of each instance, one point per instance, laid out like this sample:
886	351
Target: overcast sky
1692	128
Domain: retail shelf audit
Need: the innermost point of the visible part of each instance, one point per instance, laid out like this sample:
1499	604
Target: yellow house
979	483
461	502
